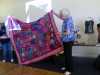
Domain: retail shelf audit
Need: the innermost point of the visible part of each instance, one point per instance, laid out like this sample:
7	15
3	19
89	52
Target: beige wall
12	7
80	10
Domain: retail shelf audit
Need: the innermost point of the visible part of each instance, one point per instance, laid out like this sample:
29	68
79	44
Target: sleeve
70	26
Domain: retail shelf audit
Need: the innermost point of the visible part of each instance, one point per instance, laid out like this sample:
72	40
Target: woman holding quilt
68	38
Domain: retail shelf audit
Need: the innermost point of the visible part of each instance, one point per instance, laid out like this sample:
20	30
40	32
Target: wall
80	10
86	51
12	7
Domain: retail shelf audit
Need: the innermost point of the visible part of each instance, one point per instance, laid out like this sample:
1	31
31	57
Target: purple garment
69	27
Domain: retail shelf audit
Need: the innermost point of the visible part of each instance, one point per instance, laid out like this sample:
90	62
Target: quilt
34	41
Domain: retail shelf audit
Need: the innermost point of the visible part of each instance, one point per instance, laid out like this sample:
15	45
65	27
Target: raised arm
58	15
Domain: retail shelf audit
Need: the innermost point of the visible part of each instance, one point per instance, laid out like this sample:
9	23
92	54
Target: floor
13	69
81	65
51	66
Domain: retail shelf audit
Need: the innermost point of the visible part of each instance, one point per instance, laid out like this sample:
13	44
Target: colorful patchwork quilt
34	41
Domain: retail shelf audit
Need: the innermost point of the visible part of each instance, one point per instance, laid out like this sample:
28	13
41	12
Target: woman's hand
65	33
57	14
58	34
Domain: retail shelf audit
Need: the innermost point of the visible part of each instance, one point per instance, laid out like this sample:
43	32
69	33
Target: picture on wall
89	26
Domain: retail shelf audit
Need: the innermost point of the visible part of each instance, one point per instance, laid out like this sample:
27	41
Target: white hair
65	12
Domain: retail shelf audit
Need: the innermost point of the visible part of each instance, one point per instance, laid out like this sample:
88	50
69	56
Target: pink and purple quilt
36	40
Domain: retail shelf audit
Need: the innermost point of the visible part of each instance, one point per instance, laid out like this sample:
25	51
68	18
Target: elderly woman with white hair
68	38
